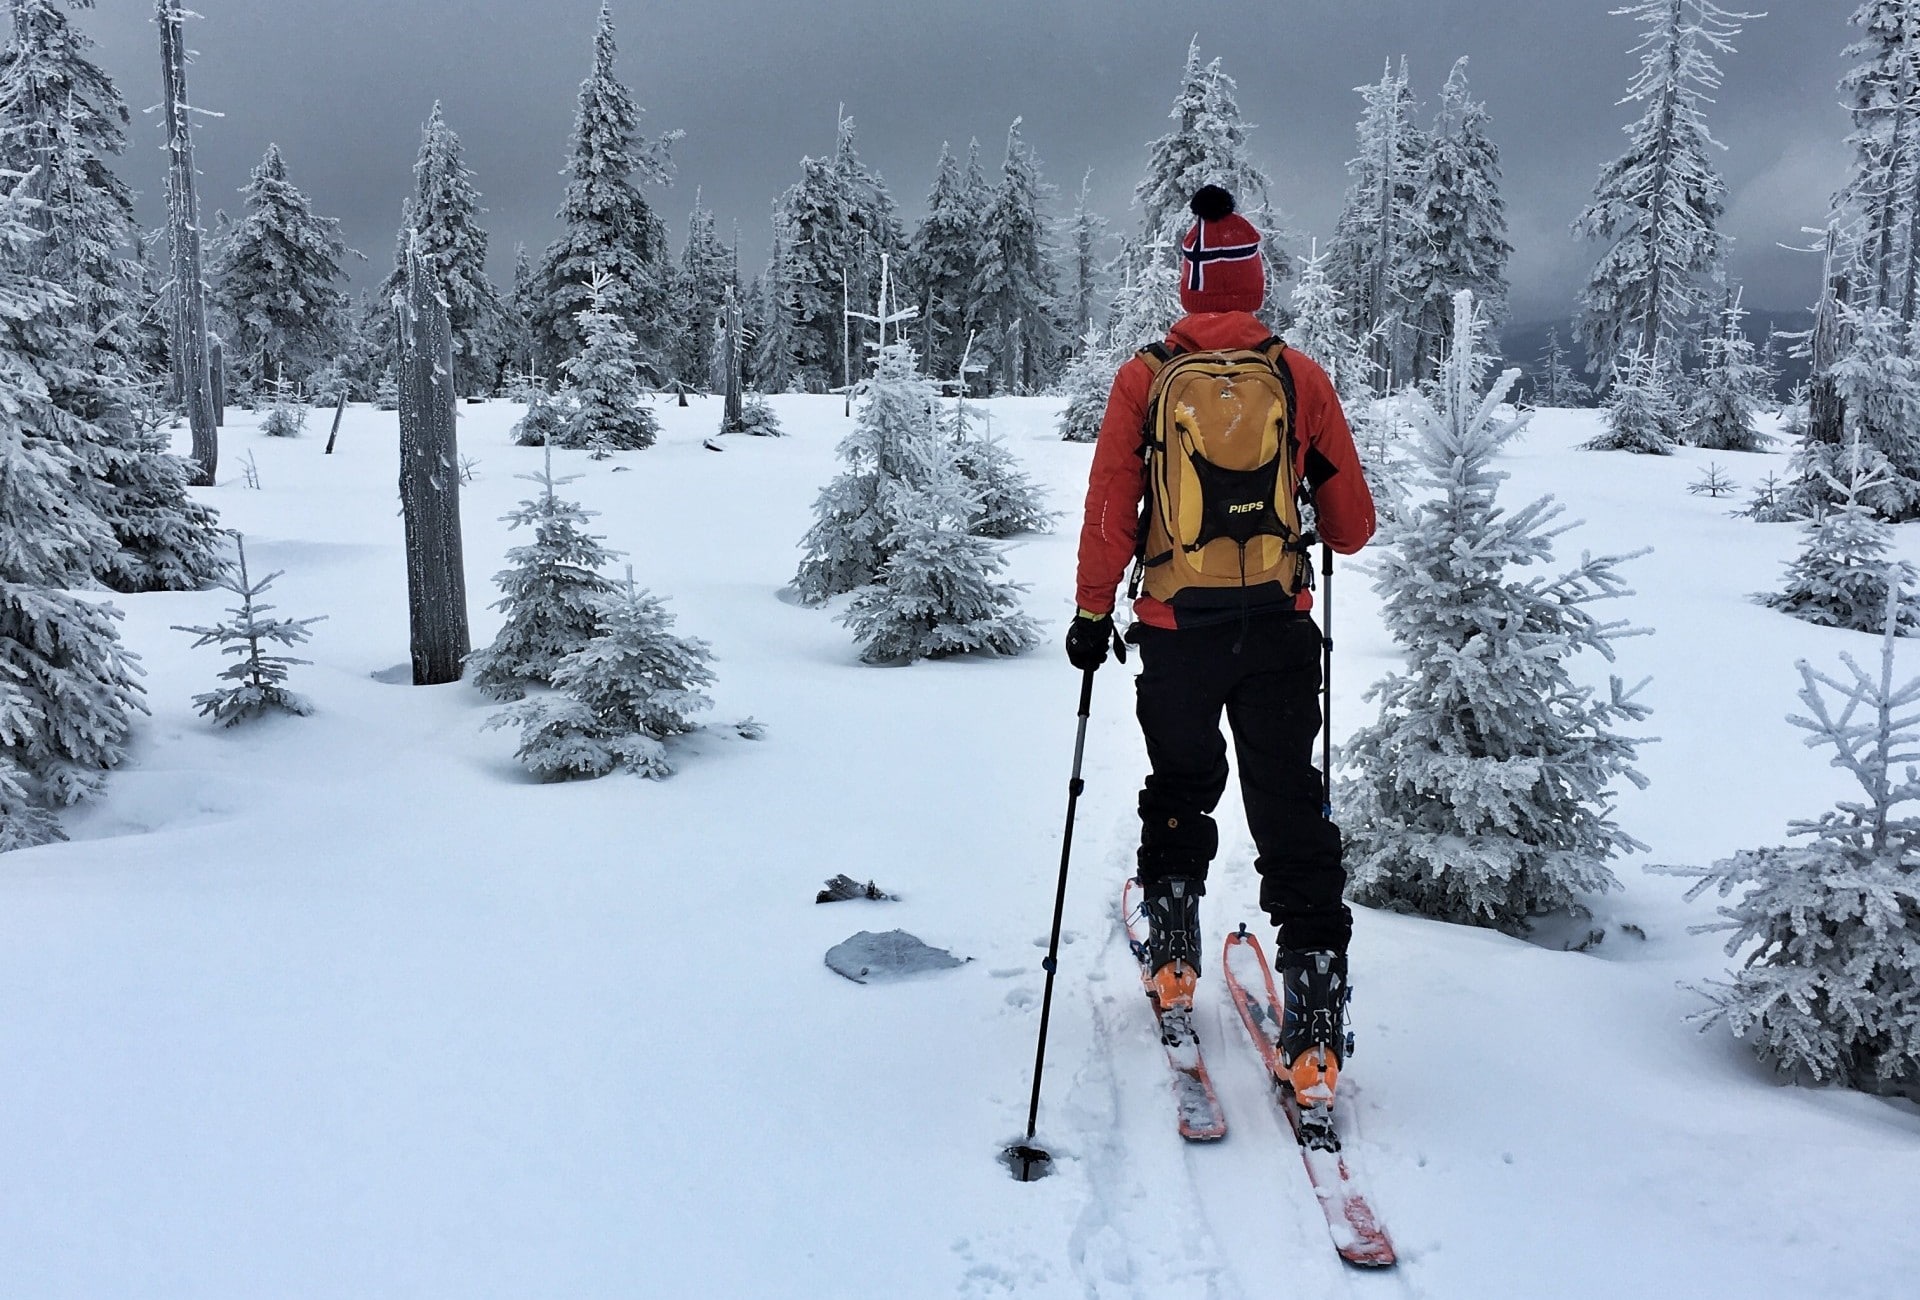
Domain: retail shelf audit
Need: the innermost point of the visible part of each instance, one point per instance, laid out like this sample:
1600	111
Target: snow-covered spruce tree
1207	146
1005	500
1641	415
1463	221
603	382
61	124
1877	380
1721	416
1322	332
443	219
1014	292
609	228
1658	205
67	686
1840	577
774	307
23	822
1086	232
940	591
258	676
839	221
1830	985
1875	208
1381	223
551	595
941	262
622	695
850	539
1554	383
1482	792
274	281
547	419
520	358
1874	386
1144	309
700	286
1087	383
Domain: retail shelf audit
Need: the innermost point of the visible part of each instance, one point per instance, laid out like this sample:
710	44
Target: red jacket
1342	503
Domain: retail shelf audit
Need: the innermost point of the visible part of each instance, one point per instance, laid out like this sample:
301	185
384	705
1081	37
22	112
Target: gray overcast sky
342	86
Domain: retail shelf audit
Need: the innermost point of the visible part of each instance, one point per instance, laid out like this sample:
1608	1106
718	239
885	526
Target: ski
1201	1119
1357	1235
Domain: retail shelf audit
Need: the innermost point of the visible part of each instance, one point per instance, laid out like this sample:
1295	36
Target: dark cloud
342	86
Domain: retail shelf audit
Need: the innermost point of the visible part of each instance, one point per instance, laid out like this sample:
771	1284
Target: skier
1224	620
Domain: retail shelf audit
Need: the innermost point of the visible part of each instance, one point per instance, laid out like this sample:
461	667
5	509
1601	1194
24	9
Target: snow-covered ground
349	1007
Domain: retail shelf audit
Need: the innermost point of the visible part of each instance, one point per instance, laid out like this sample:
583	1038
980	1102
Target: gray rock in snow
869	958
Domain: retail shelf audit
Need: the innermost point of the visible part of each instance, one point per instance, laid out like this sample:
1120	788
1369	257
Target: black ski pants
1265	676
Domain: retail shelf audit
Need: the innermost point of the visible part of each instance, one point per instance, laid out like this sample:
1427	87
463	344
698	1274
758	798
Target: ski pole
1029	1162
1326	682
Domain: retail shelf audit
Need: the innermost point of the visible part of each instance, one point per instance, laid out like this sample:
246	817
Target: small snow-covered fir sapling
1641	413
1764	506
1713	482
24	822
1840	578
1087	384
1482	794
1830	985
603	381
547	418
1006	501
258	676
286	418
386	394
941	590
620	698
848	543
1721	415
757	418
551	594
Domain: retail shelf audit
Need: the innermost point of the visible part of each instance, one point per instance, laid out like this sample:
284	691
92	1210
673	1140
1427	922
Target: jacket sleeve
1114	489
1342	502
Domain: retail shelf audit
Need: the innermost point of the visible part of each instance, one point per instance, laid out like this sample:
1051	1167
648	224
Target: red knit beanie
1221	268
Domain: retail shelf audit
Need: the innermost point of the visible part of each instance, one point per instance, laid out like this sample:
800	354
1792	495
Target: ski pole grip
1086	693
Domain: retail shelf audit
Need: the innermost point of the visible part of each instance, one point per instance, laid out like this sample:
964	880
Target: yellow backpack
1222	514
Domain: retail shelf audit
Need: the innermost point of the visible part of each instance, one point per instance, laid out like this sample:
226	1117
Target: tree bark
430	482
217	374
1826	414
730	420
192	372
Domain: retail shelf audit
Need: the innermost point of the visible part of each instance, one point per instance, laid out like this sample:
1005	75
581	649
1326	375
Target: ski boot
1314	1041
1172	908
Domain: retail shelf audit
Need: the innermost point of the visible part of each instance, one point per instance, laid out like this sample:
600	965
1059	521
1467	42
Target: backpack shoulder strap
1275	351
1156	356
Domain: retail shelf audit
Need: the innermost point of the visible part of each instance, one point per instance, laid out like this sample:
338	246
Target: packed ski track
348	1006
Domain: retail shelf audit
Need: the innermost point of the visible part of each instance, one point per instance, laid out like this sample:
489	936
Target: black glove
1087	641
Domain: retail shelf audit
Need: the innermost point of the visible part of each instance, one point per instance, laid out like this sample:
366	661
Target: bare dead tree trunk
1826	414
731	419
430	480
189	343
339	409
217	375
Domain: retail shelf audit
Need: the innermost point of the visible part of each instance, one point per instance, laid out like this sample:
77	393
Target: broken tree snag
430	479
188	343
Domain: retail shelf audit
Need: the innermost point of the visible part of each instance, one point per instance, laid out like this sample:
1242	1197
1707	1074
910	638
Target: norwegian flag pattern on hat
1224	270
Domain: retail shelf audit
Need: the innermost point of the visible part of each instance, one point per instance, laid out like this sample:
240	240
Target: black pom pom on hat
1211	203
